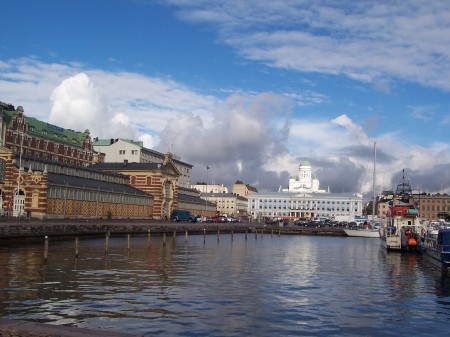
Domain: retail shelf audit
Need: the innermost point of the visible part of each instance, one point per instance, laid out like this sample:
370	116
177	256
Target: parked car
219	218
301	222
182	215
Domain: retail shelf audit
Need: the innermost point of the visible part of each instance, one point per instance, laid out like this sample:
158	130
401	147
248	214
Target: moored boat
402	230
364	233
435	246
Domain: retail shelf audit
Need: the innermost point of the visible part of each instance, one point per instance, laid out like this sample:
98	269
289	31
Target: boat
435	247
403	229
363	232
362	227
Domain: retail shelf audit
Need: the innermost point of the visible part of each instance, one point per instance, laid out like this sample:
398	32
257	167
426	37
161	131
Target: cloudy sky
249	88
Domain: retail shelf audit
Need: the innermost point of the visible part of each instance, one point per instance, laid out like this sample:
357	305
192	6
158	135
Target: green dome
305	163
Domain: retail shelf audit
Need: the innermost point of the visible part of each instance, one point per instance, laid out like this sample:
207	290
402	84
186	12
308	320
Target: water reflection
270	285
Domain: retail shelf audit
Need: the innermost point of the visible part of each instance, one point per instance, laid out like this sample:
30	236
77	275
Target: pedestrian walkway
19	328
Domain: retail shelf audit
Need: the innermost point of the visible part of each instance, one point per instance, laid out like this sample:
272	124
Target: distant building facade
337	206
190	199
118	150
210	188
242	189
431	205
228	203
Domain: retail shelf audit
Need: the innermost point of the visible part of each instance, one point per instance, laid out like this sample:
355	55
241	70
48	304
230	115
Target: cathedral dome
304	163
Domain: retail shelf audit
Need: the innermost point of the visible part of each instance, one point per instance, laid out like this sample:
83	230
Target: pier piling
76	247
106	243
46	249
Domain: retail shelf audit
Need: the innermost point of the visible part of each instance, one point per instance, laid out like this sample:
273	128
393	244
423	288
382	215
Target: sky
247	88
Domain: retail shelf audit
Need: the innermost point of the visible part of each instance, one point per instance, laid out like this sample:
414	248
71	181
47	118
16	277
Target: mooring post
46	249
149	238
246	235
271	234
256	233
76	247
218	234
186	236
279	232
106	243
232	234
128	239
164	239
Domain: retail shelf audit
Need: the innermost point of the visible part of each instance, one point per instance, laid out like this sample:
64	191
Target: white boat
402	231
364	233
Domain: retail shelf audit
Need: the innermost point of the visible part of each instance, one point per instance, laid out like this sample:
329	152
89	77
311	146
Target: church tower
305	174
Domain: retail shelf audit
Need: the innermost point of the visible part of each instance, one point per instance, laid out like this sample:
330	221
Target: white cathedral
304	182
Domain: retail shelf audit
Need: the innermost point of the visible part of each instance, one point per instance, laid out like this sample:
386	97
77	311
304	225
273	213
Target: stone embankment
35	230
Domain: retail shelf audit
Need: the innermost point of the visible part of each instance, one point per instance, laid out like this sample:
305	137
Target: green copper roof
48	131
101	142
305	163
108	141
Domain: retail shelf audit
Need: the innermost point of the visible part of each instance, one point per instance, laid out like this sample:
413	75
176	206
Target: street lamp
206	191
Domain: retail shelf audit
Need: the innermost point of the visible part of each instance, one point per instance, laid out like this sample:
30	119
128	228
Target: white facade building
210	188
304	182
335	206
120	150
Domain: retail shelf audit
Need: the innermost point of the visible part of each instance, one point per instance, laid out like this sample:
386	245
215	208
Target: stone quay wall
36	230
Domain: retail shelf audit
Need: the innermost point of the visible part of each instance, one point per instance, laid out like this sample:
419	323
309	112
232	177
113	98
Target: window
121	151
133	152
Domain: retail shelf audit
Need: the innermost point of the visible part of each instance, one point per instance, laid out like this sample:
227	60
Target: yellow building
244	190
228	203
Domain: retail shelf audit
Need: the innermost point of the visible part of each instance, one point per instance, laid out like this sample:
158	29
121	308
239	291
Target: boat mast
373	186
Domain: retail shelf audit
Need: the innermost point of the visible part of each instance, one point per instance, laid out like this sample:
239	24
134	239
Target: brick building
43	140
46	189
431	205
158	179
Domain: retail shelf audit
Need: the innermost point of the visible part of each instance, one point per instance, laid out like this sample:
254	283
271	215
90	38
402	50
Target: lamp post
373	183
206	191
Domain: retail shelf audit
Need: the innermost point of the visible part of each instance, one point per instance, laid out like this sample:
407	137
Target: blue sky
249	88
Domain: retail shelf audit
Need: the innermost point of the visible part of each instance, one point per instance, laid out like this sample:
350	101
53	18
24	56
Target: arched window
35	199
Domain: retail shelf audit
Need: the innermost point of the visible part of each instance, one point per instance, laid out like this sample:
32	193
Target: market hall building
45	172
43	189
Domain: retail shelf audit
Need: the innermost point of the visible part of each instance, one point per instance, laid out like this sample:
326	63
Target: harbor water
227	285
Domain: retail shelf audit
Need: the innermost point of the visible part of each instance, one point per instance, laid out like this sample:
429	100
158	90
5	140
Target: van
182	215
